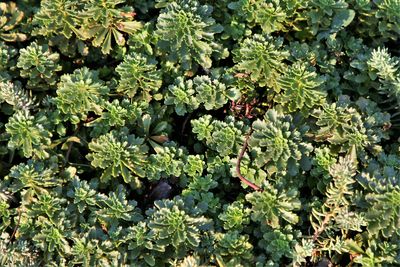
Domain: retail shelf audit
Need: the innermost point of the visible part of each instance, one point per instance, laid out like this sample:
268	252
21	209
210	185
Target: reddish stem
243	179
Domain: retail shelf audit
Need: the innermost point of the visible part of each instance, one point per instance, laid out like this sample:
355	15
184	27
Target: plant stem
16	226
243	179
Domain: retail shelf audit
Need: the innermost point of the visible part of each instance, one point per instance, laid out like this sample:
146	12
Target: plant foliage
200	133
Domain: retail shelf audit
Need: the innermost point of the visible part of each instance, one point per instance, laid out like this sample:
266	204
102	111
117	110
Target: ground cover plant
200	133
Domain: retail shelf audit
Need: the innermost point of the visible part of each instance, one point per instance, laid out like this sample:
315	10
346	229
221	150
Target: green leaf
106	47
118	37
125	174
342	19
149	259
100	36
353	247
146	121
130	26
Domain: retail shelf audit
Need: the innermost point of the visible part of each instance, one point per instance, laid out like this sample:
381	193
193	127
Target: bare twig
16	226
184	124
71	143
68	152
243	179
322	227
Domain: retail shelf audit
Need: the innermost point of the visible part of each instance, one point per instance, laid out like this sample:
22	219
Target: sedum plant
329	17
194	165
301	88
168	161
261	58
186	30
223	137
57	18
80	92
115	115
29	134
139	74
346	123
338	193
270	15
7	58
212	93
174	226
382	66
39	65
235	216
118	154
383	216
278	244
15	96
84	194
101	22
381	173
233	248
188	95
389	17
34	175
181	95
10	17
116	208
271	206
105	21
282	143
